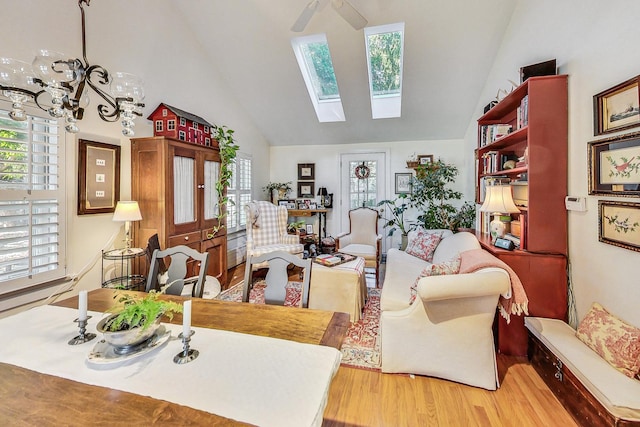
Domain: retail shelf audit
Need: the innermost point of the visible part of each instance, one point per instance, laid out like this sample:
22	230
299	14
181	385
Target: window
239	193
206	129
363	187
158	125
171	124
314	60
384	45
164	112
32	202
182	136
195	125
183	121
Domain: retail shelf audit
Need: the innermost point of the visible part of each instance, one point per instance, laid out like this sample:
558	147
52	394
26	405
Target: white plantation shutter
32	201
239	193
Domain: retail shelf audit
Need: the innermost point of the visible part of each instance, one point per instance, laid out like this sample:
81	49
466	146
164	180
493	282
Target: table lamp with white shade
498	201
127	211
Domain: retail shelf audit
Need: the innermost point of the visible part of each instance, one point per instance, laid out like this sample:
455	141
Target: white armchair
267	230
447	331
362	239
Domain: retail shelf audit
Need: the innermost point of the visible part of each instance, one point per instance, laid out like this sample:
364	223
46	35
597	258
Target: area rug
361	346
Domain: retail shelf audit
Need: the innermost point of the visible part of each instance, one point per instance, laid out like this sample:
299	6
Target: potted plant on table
283	188
134	320
395	220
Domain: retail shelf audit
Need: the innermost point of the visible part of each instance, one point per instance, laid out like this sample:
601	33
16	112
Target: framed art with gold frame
619	224
98	177
617	108
614	166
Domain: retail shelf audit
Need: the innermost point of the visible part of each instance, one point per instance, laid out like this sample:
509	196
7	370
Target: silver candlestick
84	336
187	354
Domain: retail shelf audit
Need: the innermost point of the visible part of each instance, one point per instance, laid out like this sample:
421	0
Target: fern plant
140	312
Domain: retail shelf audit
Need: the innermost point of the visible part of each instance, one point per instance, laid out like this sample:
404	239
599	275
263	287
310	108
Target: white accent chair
363	239
267	230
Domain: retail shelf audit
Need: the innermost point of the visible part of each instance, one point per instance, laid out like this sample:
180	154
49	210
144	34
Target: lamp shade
127	211
498	199
322	191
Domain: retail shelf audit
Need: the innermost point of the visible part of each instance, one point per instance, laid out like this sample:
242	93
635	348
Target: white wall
174	69
284	167
593	42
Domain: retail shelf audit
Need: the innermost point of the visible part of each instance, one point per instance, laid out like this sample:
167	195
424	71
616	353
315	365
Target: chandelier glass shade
60	86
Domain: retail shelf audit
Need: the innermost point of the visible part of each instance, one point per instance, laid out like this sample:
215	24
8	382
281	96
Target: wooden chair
277	278
173	280
362	239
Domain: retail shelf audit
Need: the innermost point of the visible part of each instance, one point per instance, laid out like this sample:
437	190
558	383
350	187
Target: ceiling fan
343	7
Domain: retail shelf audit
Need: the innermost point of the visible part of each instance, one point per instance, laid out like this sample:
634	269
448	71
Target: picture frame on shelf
425	159
291	204
305	189
403	183
614	166
328	201
284	203
98	177
617	108
313	205
619	224
306	171
309	228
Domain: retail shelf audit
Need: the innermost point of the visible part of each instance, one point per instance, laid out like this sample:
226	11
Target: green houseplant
228	152
134	320
283	189
432	195
395	220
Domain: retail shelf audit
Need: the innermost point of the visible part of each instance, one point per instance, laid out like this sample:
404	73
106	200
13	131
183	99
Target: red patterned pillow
449	267
615	341
423	245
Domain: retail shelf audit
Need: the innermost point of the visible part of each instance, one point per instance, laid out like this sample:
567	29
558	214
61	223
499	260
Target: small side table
118	267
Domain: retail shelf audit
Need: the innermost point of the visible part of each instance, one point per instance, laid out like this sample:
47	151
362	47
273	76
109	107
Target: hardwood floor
359	397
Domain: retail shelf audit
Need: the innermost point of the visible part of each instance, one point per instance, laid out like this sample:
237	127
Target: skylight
385	45
314	60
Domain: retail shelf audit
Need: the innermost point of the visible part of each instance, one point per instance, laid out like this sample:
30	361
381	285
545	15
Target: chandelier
58	85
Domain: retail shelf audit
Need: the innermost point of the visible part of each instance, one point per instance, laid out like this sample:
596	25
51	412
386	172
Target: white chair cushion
367	252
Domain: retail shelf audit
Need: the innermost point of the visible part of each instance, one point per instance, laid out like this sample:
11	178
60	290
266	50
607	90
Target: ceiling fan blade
305	16
349	14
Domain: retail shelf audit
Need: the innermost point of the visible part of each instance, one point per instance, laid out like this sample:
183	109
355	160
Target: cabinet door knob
201	186
186	237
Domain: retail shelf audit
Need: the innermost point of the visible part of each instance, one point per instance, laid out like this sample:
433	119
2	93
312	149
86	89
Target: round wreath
362	171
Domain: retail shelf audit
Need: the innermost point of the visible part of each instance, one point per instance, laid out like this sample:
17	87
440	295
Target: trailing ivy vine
228	153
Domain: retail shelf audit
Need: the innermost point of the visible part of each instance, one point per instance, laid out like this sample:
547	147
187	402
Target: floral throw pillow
449	267
614	340
424	245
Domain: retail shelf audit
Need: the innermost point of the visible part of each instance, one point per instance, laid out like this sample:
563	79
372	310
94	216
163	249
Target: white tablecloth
259	380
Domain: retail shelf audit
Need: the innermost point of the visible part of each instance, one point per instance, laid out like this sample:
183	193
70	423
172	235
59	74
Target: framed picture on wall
617	108
403	183
305	189
306	171
619	224
98	177
425	159
614	166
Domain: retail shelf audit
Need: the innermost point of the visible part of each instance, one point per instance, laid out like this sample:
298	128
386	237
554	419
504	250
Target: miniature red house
175	123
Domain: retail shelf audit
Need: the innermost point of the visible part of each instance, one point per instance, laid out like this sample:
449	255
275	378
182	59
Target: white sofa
447	331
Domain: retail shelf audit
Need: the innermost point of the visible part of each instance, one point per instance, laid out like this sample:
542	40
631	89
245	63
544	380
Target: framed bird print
614	166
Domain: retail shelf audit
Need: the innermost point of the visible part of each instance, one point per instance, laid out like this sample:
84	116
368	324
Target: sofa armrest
290	239
477	284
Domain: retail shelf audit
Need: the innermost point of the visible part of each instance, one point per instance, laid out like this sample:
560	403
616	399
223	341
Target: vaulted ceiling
449	48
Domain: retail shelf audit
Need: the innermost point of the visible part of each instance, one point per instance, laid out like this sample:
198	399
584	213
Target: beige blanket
476	259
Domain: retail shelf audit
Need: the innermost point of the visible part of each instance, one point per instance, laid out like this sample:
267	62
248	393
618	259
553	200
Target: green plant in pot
431	194
292	227
134	320
395	219
283	188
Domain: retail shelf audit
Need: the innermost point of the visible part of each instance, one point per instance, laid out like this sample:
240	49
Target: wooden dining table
31	398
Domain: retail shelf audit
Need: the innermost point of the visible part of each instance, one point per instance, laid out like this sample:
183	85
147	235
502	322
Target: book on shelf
522	113
491	133
331	260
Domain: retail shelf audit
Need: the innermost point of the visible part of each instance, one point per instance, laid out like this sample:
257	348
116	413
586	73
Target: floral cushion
449	267
293	293
423	245
614	340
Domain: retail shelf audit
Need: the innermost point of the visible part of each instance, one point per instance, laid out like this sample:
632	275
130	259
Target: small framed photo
425	159
306	171
309	228
313	205
305	189
403	183
617	108
619	224
301	204
284	203
614	166
291	204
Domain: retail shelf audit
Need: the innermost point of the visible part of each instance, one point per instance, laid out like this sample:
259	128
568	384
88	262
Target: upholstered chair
362	239
267	230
